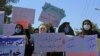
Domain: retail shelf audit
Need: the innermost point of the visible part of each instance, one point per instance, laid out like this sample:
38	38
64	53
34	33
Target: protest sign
19	13
24	23
78	46
12	45
73	46
51	14
48	42
9	29
1	22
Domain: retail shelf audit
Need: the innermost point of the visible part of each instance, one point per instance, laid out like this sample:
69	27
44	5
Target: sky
76	10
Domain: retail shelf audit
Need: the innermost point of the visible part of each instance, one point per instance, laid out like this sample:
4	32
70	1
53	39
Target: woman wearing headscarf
42	29
87	28
66	28
36	30
19	30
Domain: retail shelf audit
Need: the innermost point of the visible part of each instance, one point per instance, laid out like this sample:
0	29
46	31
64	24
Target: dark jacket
51	30
28	48
62	30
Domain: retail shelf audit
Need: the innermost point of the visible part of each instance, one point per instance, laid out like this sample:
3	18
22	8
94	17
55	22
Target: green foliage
12	1
2	3
95	27
31	29
5	5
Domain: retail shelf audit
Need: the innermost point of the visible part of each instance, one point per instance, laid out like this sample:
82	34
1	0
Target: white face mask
86	27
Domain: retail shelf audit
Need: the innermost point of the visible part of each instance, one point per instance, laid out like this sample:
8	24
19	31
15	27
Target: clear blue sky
76	10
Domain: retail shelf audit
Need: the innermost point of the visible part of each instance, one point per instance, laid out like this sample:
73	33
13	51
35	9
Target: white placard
48	42
51	14
19	13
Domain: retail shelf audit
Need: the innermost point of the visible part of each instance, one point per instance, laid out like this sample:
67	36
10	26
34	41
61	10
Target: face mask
66	29
86	27
17	30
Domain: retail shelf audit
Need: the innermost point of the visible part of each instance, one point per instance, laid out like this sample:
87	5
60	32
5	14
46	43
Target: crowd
87	29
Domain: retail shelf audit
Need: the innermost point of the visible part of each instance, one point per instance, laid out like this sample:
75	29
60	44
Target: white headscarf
42	26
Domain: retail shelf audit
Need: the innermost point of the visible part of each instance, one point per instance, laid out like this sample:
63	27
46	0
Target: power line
84	8
91	8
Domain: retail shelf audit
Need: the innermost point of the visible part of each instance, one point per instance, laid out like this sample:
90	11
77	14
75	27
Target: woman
28	49
42	28
87	28
36	30
66	28
51	30
19	30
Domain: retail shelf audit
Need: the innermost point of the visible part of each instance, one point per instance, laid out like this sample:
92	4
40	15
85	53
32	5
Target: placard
9	29
48	42
12	45
19	13
51	14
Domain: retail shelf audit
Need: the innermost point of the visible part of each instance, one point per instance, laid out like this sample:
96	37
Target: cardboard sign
12	46
24	23
48	42
77	46
1	22
9	29
19	13
51	14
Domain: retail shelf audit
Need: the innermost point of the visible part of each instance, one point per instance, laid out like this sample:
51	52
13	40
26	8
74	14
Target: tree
99	30
31	29
94	27
5	5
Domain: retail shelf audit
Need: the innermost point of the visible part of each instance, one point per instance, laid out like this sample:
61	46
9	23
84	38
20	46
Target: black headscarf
62	29
90	31
22	30
87	32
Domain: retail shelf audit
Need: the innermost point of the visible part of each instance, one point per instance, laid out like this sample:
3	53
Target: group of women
87	29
